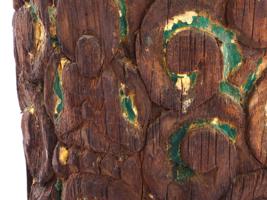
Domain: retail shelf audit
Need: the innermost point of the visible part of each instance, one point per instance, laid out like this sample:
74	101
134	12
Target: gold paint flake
27	5
63	155
63	61
215	121
30	109
39	35
187	17
183	84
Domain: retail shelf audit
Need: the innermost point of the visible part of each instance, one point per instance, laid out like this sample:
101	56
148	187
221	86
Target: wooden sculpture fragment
143	99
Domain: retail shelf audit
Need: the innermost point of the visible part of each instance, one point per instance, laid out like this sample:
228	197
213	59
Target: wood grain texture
143	99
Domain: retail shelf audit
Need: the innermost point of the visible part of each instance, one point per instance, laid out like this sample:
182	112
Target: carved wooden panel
143	99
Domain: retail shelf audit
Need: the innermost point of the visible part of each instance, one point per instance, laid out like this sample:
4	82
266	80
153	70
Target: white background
12	161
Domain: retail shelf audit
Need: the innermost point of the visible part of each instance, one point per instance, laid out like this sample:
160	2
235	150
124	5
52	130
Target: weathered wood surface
143	99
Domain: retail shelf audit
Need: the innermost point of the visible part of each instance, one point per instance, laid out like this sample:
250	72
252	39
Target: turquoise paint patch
123	23
127	107
59	92
174	77
192	76
226	129
246	88
181	171
167	35
175	141
223	35
252	79
259	62
240	94
200	22
231	55
231	91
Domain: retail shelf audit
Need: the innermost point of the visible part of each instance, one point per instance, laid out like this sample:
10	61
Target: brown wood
143	99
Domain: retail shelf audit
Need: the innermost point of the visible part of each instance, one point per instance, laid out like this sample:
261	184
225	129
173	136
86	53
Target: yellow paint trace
58	101
63	61
63	155
39	36
31	110
27	5
262	67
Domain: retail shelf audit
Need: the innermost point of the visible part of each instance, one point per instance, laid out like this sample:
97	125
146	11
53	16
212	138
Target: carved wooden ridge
143	99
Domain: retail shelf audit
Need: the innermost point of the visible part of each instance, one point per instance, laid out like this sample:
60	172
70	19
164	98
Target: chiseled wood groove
143	99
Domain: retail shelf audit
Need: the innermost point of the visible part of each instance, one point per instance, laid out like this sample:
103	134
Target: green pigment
231	55
127	107
59	92
252	79
231	91
33	11
192	76
181	172
123	18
